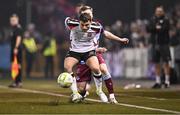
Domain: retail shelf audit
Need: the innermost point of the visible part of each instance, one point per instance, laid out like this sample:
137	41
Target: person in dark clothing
49	51
16	47
159	29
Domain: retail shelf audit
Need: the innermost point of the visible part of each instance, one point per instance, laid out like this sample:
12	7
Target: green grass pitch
46	97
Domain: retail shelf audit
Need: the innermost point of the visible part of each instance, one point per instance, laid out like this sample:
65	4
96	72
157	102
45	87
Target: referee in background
159	29
16	47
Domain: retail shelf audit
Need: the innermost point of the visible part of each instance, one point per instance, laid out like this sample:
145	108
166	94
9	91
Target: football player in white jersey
84	36
103	67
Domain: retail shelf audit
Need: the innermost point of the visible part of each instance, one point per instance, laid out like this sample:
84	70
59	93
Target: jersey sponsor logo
84	37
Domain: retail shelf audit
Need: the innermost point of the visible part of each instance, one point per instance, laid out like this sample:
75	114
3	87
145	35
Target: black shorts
161	53
81	56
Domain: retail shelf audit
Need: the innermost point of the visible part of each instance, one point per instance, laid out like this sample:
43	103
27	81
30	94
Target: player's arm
111	36
71	23
18	42
101	49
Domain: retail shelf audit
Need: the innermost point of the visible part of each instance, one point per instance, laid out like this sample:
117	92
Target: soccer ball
65	80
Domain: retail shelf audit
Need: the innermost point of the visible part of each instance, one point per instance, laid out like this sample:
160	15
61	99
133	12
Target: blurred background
44	19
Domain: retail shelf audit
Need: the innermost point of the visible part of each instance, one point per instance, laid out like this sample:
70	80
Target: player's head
85	21
78	7
159	11
86	9
14	20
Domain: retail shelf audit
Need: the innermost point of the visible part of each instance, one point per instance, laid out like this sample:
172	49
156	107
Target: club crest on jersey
89	34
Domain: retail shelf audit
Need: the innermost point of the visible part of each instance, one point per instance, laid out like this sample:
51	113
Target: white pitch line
93	100
153	98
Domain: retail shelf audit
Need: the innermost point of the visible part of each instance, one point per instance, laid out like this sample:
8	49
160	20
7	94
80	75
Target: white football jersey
82	42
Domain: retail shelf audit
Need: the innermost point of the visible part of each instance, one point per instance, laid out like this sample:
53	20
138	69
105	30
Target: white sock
111	95
167	79
98	84
106	76
74	86
158	79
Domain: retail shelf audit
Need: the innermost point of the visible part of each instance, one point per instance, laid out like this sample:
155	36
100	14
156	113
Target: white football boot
113	100
102	96
76	98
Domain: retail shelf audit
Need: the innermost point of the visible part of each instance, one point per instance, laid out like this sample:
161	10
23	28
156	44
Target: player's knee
96	70
103	71
68	68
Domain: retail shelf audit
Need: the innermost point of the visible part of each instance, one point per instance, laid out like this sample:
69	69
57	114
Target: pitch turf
44	96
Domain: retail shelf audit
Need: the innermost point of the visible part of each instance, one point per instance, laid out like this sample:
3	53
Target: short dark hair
85	17
85	8
14	15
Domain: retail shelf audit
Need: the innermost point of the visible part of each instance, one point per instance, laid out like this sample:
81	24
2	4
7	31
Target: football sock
158	79
109	84
74	86
97	75
98	84
167	79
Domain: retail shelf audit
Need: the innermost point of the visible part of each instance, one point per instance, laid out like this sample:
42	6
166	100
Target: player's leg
83	88
99	91
98	82
166	57
71	59
69	62
83	79
158	73
156	60
84	75
83	83
93	64
167	74
108	82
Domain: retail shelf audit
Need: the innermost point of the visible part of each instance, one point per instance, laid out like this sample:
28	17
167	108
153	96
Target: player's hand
101	50
15	51
125	40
